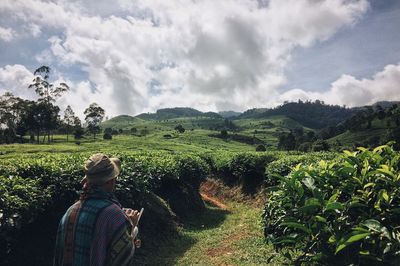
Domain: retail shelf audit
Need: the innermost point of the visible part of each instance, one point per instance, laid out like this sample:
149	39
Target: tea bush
284	165
339	213
245	169
36	191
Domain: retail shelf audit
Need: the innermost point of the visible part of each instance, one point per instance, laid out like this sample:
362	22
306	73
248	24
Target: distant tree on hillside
94	114
179	128
108	130
78	130
287	142
224	134
69	117
261	147
144	132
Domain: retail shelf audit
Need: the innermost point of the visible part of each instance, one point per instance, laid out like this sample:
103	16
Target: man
96	230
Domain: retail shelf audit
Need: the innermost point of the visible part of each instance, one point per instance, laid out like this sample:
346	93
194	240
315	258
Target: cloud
347	90
211	55
16	78
6	34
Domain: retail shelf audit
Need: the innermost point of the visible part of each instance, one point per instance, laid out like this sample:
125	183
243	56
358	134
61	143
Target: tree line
41	118
366	118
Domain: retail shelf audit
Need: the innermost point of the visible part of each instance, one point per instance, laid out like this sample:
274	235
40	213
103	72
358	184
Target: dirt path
227	233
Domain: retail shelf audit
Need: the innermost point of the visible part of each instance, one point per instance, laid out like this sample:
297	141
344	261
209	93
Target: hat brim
114	174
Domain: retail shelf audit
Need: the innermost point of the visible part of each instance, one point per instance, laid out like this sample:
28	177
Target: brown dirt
213	201
215	189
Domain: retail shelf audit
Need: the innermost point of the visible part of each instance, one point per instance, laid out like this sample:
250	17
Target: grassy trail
227	233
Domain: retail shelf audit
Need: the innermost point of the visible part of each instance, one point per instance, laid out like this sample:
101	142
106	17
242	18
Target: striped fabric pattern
94	231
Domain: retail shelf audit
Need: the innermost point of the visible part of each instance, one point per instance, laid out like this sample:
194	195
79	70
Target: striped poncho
94	231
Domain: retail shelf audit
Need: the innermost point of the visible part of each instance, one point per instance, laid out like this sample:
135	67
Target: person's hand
133	215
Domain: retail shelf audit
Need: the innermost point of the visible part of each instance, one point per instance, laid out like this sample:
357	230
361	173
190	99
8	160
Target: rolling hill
337	125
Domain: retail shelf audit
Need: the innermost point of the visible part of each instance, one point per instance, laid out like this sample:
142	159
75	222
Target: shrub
36	191
261	147
245	169
107	136
339	213
320	145
285	164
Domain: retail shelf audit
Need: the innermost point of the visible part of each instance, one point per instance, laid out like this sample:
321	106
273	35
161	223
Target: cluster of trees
315	114
385	118
297	139
19	117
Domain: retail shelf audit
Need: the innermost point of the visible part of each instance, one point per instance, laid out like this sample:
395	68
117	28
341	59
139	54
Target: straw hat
100	169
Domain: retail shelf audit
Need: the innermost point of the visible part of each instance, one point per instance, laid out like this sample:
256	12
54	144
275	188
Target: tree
261	147
94	114
179	128
108	130
12	116
69	117
48	93
78	130
224	134
287	142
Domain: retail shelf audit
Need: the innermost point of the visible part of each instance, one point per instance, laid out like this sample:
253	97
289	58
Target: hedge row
339	213
34	194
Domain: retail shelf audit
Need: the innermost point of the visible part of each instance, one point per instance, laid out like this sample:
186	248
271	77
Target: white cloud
16	78
6	34
384	85
208	54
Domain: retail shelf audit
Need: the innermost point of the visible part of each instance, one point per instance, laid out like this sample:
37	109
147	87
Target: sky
134	56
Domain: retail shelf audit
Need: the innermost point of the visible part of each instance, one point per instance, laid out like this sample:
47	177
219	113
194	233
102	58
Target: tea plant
338	213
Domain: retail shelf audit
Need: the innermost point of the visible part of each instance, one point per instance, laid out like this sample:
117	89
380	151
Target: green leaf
351	239
296	226
384	195
311	205
334	206
373	225
385	170
368	185
320	219
365	252
379	148
349	153
309	183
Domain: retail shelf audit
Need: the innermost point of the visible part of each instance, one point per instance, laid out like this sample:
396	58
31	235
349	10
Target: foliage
339	213
245	169
179	128
46	90
94	114
284	165
261	147
310	114
46	185
107	136
69	118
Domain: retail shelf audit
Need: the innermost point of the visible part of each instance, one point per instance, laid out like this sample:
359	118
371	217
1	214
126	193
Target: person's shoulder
114	214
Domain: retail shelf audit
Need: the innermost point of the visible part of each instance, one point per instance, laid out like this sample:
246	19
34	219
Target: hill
121	121
314	115
229	114
171	113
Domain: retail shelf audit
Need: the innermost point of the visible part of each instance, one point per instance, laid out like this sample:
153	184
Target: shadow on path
171	247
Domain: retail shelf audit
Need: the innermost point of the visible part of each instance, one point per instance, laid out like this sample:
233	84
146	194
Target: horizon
134	58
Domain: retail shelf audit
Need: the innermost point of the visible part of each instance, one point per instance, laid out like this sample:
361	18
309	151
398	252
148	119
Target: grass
190	141
216	237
